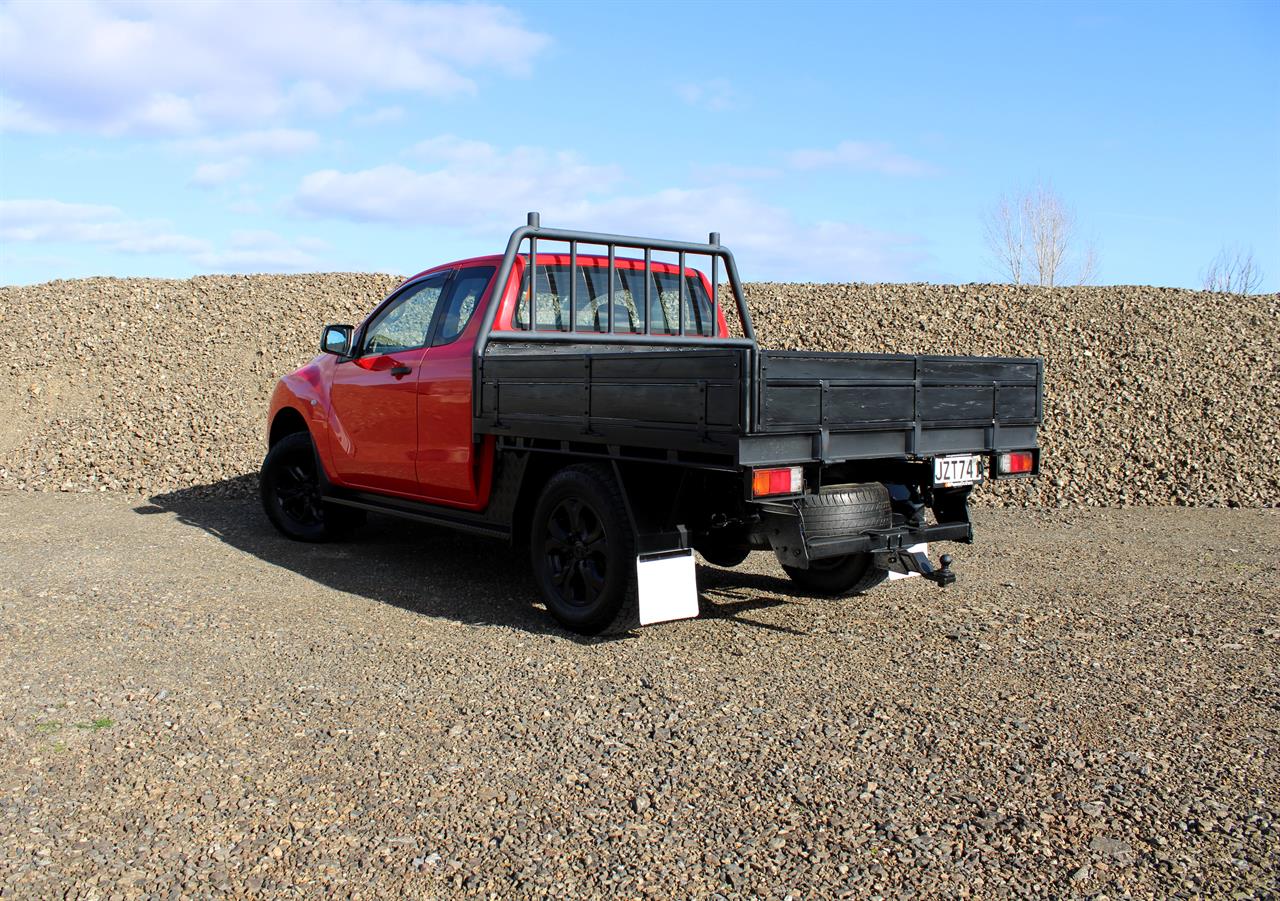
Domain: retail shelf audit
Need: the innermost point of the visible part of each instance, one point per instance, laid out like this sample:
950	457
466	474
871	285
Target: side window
551	298
665	315
464	295
405	323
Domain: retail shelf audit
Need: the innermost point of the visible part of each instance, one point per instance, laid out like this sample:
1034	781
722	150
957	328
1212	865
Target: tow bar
905	561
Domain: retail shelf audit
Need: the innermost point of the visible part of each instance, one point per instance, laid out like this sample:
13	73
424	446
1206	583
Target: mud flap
667	586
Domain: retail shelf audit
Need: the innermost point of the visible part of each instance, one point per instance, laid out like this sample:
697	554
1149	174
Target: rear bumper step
785	534
881	540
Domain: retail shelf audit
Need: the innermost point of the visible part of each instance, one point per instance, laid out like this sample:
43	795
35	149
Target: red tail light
1017	462
787	480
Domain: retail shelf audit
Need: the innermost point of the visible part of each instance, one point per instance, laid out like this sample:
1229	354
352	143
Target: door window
464	295
405	322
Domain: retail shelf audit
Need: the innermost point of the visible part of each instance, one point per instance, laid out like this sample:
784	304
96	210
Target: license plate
962	469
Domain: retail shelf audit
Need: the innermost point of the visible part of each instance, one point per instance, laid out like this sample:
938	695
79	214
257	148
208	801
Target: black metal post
573	285
731	269
714	240
680	293
533	283
613	248
648	290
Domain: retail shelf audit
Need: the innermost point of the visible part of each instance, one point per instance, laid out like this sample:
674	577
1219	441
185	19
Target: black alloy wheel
298	491
582	550
292	496
577	552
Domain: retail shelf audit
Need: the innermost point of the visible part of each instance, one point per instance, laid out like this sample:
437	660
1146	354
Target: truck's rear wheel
721	553
291	496
839	576
583	552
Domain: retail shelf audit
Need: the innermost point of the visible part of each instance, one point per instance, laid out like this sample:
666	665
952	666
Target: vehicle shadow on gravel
422	568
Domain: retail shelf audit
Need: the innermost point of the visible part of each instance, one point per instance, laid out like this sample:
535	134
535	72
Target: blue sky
854	142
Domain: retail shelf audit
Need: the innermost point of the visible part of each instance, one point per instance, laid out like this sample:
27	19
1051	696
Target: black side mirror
336	339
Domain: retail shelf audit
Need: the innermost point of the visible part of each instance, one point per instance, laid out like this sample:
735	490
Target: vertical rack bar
648	282
612	251
680	293
714	239
533	283
573	286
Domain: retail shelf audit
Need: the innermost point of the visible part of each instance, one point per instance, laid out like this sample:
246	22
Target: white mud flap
667	587
902	573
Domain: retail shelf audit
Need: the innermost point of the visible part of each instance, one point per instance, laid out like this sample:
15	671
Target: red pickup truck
597	408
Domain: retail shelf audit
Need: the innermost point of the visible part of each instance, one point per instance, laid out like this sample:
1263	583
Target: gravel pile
1154	396
200	708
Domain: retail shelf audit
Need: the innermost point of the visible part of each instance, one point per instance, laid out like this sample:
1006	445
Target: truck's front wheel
583	552
839	576
291	495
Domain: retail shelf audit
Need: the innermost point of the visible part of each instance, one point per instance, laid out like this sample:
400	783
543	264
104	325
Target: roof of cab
546	259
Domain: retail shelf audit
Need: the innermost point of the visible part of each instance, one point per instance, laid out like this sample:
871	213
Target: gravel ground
1153	395
191	706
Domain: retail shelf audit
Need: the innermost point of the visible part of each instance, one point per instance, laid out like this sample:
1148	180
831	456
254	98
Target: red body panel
451	468
373	421
411	435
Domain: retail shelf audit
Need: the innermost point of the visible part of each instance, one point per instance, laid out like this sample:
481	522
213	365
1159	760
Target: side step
420	511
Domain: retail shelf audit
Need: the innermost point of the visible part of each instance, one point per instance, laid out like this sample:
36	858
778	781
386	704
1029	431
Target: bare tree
1034	235
1232	271
1007	238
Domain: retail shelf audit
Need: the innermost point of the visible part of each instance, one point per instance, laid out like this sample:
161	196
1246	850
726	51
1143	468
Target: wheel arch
537	472
647	491
287	421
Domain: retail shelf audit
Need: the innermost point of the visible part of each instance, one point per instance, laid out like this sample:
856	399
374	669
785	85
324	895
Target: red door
374	396
448	469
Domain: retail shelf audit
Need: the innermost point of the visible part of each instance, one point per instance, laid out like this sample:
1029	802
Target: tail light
785	480
1016	463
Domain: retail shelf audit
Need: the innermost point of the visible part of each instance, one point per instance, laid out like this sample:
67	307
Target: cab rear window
592	302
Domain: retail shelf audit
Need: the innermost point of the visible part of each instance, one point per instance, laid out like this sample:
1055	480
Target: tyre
844	510
719	553
838	576
847	510
290	487
583	552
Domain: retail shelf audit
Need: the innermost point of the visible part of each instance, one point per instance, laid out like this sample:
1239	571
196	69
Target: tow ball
918	562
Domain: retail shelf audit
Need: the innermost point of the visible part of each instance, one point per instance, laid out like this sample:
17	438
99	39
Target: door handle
398	371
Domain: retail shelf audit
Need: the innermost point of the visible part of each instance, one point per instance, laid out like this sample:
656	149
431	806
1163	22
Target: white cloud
210	175
56	222
264	251
477	186
179	68
867	156
271	142
14	116
53	221
722	172
381	116
240	150
472	183
452	149
769	242
716	95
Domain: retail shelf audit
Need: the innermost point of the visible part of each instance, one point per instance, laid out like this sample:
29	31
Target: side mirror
336	339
